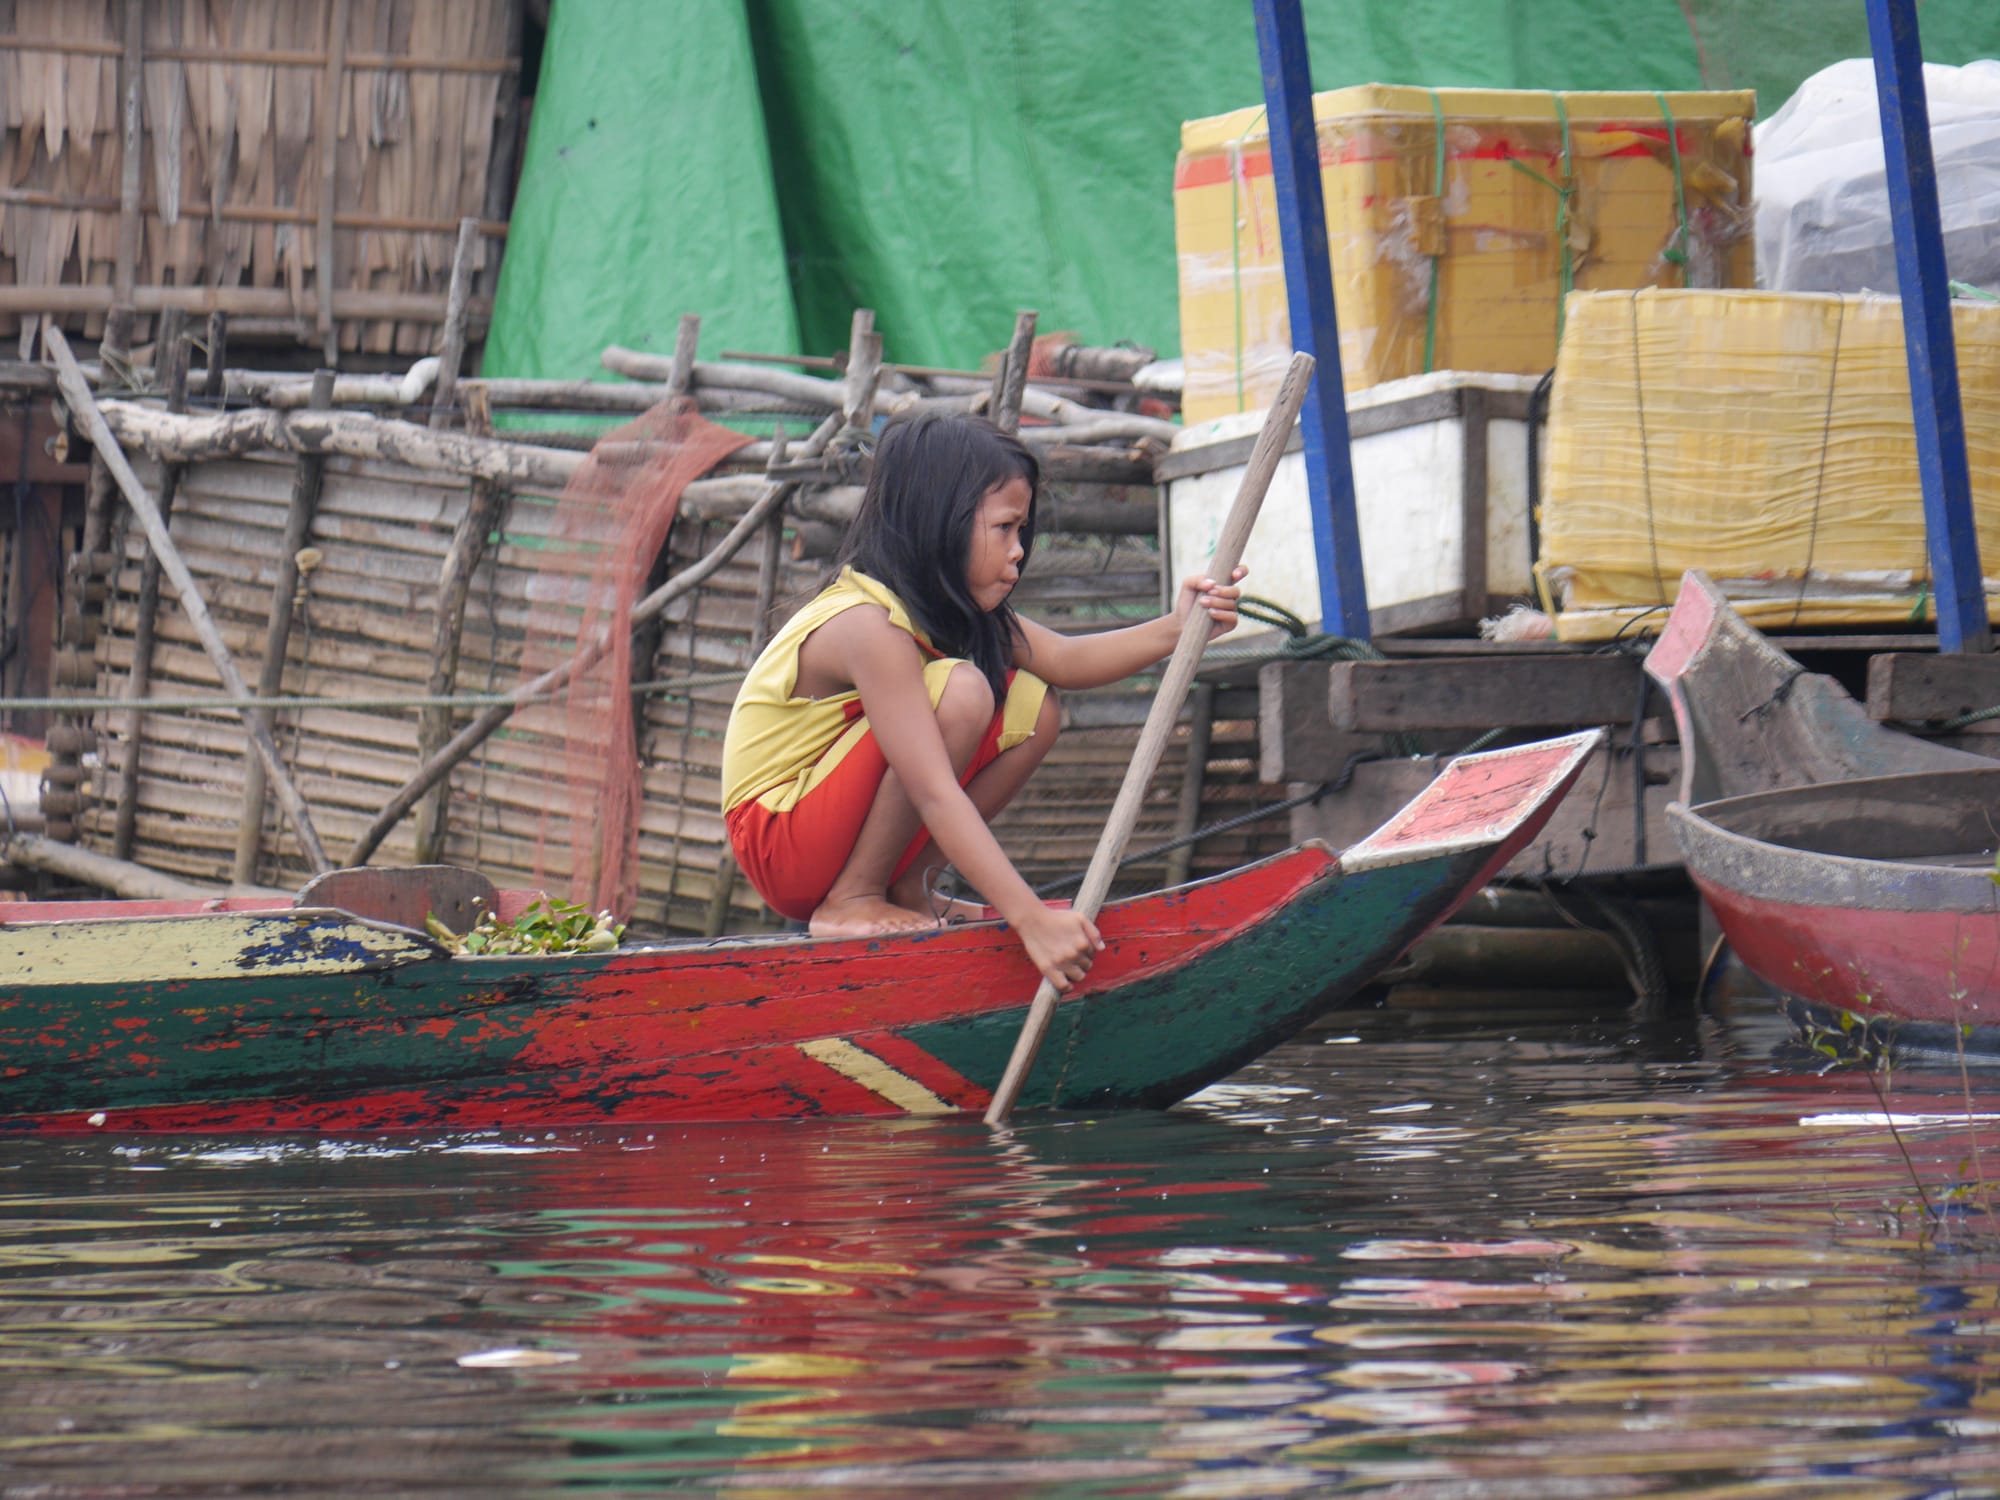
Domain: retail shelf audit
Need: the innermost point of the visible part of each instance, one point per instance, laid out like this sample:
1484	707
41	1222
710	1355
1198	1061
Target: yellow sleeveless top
773	737
775	747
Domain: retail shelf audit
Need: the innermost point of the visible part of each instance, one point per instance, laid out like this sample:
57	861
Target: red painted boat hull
312	1018
1941	968
1848	864
1874	896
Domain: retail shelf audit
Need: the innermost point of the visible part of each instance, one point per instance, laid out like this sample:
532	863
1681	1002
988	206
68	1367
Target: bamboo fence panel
237	115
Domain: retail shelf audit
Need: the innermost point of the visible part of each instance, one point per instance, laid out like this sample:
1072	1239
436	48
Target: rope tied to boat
1778	695
1303	643
1338	784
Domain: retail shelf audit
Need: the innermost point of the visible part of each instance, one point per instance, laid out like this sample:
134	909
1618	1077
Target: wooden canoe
1751	719
1874	896
1849	866
317	1018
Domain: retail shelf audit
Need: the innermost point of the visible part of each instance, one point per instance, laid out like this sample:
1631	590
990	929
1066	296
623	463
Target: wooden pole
687	340
306	476
329	175
506	138
140	684
768	563
474	734
996	391
82	405
125	276
351	434
825	395
1070	380
218	349
267	57
239	301
240	213
1187	814
468	547
451	351
1174	684
1013	381
119	876
864	373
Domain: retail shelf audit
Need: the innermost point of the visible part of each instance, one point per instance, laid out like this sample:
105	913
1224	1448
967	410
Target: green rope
1952	726
1565	190
1677	252
1563	198
1302	643
1236	246
1568	267
1431	311
1968	290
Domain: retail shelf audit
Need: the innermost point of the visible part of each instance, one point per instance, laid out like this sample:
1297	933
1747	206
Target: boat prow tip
1491	798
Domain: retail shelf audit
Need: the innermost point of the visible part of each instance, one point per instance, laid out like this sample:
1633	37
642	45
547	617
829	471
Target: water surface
1419	1256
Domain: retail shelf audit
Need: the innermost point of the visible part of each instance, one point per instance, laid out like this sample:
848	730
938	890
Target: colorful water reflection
1444	1259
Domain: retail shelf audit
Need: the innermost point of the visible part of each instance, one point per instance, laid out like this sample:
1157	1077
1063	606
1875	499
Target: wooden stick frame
307	473
474	734
83	406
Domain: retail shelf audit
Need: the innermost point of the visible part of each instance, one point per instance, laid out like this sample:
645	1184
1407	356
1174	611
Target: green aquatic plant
544	926
1857	1040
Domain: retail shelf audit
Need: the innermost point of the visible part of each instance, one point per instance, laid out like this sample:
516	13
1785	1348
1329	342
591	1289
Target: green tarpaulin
773	164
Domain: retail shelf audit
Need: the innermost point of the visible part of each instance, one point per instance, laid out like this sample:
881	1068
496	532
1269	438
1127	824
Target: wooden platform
1346	722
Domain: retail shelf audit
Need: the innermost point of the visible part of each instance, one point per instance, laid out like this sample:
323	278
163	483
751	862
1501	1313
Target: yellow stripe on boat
868	1070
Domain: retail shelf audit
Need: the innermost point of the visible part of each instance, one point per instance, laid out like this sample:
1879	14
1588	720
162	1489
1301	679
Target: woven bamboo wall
366	629
237	113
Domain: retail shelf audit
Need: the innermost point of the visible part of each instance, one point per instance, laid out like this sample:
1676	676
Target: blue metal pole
1933	354
1281	43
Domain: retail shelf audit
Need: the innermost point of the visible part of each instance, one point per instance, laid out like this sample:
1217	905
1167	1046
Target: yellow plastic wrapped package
1456	219
1764	437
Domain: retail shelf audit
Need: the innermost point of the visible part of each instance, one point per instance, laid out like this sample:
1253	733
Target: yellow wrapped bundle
1456	220
1764	437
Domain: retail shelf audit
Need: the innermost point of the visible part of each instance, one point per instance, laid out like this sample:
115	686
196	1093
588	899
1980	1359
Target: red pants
793	856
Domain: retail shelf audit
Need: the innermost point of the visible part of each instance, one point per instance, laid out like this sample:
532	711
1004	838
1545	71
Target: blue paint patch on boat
288	941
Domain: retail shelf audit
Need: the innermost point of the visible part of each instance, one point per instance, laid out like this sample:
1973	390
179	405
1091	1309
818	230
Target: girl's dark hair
913	531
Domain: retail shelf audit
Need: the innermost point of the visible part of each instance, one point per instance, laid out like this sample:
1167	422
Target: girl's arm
888	671
1088	661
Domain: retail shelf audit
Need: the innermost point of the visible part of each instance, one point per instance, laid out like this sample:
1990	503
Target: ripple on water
1429	1261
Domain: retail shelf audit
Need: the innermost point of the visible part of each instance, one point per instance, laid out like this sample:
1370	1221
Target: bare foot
865	916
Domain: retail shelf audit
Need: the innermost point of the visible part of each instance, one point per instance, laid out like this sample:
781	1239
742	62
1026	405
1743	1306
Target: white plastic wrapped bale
1822	203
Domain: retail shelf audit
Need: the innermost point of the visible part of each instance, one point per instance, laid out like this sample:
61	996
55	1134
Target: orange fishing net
608	533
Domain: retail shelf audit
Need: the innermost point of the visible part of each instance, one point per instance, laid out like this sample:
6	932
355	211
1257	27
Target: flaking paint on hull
1194	983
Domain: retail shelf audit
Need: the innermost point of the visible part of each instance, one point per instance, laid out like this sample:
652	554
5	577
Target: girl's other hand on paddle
1219	599
1061	943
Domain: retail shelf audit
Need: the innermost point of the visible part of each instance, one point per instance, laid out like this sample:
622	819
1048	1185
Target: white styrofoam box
1433	552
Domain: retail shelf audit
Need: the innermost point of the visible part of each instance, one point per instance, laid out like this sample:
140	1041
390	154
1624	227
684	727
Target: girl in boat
907	703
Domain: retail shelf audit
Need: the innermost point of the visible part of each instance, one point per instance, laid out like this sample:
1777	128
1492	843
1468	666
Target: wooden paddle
1181	666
